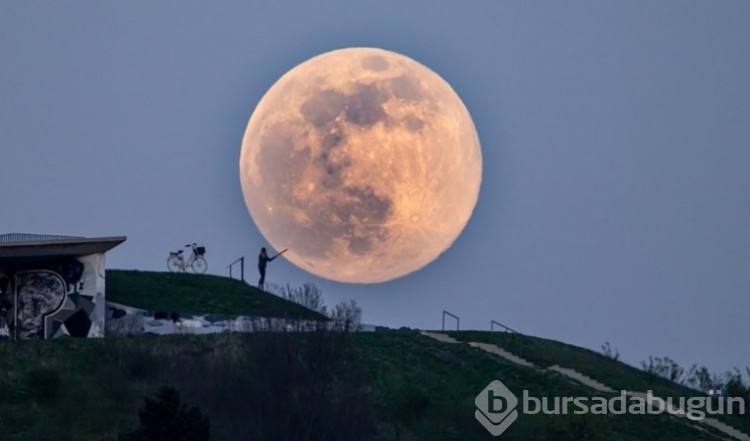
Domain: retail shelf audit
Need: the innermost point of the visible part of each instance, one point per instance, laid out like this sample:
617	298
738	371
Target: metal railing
241	261
507	329
452	315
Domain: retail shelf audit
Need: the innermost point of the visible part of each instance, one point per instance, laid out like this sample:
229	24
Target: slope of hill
413	387
198	293
381	386
615	374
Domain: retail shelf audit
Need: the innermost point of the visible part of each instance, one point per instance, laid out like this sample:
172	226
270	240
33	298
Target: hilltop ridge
198	293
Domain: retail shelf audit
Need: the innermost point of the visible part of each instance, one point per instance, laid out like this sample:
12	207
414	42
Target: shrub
166	418
610	352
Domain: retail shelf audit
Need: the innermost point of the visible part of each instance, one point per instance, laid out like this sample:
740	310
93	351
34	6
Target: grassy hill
444	379
383	386
198	293
414	387
620	376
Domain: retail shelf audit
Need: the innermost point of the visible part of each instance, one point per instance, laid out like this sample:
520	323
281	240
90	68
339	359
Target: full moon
364	163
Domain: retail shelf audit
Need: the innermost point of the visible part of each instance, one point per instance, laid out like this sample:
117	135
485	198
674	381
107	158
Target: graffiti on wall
55	299
39	294
6	304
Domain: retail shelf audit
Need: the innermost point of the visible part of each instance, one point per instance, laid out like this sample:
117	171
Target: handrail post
452	315
241	260
507	329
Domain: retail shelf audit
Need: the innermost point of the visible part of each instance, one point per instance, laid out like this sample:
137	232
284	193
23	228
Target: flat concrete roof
34	250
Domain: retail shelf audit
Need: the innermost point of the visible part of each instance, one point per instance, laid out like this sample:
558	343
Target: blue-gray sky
615	202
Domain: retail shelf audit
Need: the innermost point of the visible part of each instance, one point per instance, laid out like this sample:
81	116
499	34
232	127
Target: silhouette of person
263	259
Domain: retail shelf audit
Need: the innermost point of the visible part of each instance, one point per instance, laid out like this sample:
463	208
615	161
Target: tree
665	367
166	418
347	316
307	295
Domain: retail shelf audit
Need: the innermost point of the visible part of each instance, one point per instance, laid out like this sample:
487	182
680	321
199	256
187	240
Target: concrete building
52	286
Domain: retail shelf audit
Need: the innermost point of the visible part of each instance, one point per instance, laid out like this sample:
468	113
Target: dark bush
166	418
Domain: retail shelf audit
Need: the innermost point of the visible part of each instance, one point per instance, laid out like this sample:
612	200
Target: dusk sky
615	197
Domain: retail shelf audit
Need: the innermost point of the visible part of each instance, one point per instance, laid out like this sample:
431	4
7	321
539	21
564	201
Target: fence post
241	260
507	329
452	315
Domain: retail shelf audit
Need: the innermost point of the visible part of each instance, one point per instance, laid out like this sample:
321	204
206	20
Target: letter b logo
496	408
496	404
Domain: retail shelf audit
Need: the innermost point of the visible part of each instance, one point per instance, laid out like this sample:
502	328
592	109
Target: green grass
421	389
620	376
197	294
451	375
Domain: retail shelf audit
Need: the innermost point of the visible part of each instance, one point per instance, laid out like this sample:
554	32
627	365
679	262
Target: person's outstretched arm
279	254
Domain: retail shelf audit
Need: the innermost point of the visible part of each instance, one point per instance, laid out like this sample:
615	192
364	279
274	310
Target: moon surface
364	163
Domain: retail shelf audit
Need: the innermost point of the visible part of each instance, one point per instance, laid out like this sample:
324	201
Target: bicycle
177	263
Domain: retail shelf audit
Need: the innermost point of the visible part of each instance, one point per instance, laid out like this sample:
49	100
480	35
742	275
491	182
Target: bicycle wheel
173	264
199	265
